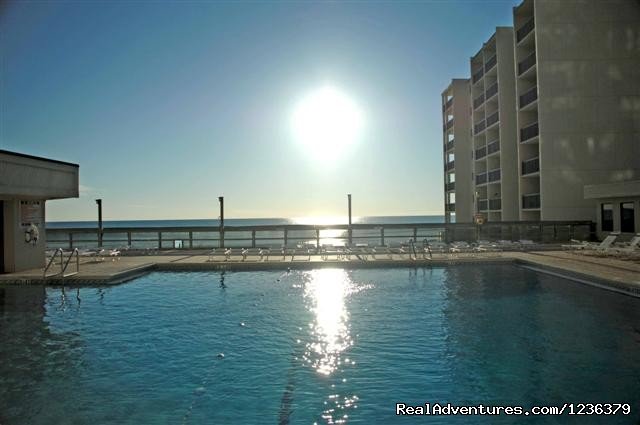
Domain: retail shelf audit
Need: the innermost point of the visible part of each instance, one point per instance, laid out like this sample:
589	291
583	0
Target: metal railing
529	97
448	124
531	201
478	101
481	152
493	118
493	147
208	237
63	264
526	63
495	204
448	104
477	128
483	204
481	178
525	29
449	146
450	186
529	132
530	166
493	175
476	76
450	165
491	91
490	63
450	207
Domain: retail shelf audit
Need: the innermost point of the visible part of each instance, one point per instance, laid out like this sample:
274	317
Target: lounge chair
95	255
631	248
589	246
303	249
381	250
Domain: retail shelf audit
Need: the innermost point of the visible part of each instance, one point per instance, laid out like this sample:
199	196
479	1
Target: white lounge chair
589	246
631	248
381	250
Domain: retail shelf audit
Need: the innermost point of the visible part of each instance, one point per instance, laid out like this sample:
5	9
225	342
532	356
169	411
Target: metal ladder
63	264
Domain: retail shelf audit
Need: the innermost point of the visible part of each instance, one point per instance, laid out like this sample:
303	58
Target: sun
326	122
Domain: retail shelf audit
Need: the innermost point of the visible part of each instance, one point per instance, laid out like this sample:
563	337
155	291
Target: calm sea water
245	222
324	346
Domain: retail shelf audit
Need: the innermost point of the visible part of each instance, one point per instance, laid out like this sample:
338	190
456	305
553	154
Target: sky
167	105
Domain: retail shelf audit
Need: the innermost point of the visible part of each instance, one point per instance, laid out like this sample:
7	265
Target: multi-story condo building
578	87
495	146
457	151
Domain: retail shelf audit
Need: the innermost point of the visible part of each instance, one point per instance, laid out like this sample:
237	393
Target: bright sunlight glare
326	122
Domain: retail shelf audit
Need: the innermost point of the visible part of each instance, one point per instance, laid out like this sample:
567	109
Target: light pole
221	201
99	202
350	231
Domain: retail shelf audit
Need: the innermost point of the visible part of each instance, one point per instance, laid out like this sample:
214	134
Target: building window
626	217
606	214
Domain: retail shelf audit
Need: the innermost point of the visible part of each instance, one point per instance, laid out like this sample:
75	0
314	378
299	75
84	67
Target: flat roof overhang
626	189
31	177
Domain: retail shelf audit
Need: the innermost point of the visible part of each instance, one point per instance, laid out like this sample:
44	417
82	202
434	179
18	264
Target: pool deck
606	272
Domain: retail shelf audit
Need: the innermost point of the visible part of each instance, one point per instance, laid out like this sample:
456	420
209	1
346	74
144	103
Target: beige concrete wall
463	150
31	178
588	64
20	255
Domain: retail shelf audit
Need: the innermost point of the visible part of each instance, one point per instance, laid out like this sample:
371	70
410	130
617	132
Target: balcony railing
493	147
531	201
494	175
483	204
478	101
450	207
448	104
449	145
495	204
491	91
450	186
530	96
476	76
477	128
447	125
526	63
492	119
490	63
481	152
481	178
450	165
529	132
530	166
525	29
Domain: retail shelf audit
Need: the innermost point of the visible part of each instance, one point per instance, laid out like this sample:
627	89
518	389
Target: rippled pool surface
324	346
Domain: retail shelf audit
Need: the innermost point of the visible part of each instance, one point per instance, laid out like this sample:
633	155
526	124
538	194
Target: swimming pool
321	346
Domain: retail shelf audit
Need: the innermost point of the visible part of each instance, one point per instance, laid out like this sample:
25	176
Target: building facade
457	152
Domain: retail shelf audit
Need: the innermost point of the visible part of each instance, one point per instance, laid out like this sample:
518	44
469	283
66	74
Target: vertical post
70	241
99	202
382	236
253	239
190	240
221	201
286	237
415	234
159	240
129	238
317	238
350	230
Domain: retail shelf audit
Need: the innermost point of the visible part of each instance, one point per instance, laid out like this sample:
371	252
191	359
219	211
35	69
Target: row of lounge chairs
90	255
406	250
610	246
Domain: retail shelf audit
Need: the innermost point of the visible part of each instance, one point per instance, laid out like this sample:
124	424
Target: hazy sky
168	105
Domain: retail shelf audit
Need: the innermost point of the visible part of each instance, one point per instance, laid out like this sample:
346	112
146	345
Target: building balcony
492	119
477	128
529	132
531	201
448	125
477	76
530	166
450	186
448	104
478	101
529	97
450	207
490	63
450	165
449	145
526	63
481	178
491	91
495	204
481	152
493	147
494	175
483	204
524	30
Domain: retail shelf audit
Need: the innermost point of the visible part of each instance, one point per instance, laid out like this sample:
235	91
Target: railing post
253	239
70	241
190	240
382	236
571	231
415	234
286	236
159	240
318	238
129	238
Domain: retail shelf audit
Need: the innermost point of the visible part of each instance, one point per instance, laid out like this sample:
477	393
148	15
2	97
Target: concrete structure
578	86
617	206
457	152
495	146
26	182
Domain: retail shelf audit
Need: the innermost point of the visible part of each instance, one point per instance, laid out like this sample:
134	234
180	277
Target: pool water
323	346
